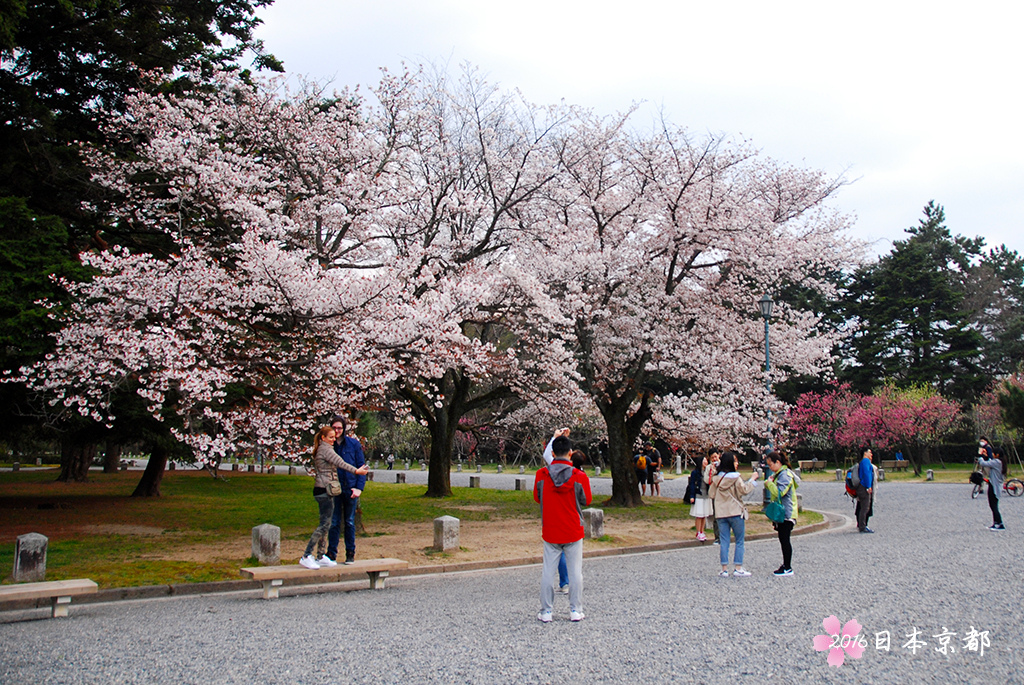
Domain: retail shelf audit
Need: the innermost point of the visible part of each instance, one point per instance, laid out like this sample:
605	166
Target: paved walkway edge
832	520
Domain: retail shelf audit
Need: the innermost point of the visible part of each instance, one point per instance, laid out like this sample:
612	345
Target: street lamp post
765	303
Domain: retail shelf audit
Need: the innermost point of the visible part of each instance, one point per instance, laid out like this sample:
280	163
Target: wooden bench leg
60	606
377	579
270	588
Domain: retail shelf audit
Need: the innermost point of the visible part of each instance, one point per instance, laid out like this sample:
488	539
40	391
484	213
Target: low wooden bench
273	577
812	465
59	592
895	465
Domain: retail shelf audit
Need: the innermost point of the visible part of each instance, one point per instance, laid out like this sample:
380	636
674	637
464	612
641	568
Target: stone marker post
30	558
474	481
479	468
597	471
291	469
16	466
252	468
593	523
399	477
369	475
839	475
39	461
522	469
423	466
446	533
458	468
499	468
881	474
930	475
266	544
521	484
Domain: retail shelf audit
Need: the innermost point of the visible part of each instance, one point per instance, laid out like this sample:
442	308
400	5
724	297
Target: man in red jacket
562	492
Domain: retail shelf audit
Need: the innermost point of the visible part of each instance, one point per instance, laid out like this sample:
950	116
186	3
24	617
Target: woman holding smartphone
727	490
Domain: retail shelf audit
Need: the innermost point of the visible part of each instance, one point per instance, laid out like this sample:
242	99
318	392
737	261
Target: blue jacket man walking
865	490
352	485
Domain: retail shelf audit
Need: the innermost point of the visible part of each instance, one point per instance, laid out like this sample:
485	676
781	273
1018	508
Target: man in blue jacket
865	490
352	485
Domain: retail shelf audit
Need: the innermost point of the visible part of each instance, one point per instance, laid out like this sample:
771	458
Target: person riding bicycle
993	461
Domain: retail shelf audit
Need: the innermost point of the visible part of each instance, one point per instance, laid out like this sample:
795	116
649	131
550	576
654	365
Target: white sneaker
326	561
309	562
576	616
544	617
741	572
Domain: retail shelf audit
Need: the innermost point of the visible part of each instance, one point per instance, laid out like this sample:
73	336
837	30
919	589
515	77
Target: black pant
993	504
863	507
785	530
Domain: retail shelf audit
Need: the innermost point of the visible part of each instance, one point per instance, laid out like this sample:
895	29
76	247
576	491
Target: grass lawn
97	530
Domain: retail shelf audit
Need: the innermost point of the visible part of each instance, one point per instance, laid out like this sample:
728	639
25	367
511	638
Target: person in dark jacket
562	492
352	485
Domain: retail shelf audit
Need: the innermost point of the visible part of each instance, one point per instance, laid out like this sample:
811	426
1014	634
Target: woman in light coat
728	490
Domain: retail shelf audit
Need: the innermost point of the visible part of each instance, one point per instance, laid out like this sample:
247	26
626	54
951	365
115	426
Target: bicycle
1013	487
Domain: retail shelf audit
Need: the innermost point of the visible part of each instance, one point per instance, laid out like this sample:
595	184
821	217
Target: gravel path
651	618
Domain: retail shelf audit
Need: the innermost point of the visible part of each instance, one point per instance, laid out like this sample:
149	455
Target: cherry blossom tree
658	248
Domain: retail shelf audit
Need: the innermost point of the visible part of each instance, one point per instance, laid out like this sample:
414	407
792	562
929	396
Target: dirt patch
479	541
120	529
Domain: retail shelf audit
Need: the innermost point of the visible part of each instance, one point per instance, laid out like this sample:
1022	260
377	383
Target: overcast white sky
914	101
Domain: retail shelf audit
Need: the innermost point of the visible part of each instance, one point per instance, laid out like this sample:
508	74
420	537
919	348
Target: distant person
640	466
994	461
728	490
562	491
654	476
391	462
325	461
865	490
350	450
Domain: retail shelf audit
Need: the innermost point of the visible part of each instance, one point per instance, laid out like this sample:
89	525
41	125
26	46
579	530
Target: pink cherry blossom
837	641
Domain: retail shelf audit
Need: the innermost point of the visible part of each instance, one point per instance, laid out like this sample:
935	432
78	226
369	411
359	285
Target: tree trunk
439	467
112	459
625	486
149	485
75	459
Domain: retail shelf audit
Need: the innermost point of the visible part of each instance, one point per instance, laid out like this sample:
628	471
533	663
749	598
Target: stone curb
312	586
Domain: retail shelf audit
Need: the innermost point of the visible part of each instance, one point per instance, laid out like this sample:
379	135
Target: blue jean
344	510
738	527
326	505
563	572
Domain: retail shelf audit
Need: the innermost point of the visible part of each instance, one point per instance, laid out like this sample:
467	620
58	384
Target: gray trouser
574	564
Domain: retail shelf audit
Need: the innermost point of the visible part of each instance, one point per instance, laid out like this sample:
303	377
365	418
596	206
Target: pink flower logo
835	641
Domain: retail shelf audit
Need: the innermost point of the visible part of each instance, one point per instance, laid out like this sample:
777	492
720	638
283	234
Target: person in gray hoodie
993	461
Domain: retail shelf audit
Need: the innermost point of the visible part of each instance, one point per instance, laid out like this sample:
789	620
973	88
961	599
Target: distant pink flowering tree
818	419
912	420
